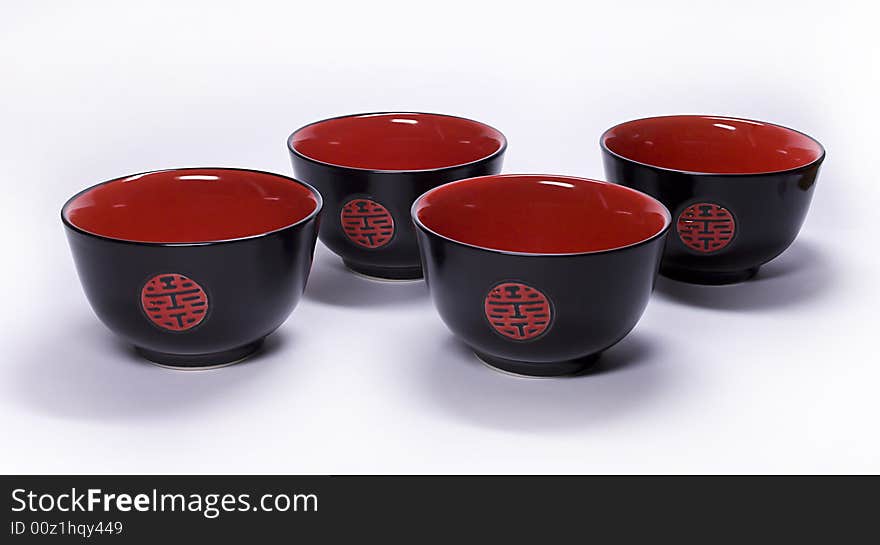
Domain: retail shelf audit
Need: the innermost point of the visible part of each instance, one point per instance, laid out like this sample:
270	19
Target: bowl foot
200	361
532	369
709	278
385	273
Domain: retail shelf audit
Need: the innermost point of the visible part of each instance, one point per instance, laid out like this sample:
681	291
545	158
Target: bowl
195	266
539	274
739	190
371	167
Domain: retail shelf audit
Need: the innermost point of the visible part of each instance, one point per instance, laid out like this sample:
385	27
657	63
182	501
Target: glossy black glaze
252	285
597	298
396	191
768	209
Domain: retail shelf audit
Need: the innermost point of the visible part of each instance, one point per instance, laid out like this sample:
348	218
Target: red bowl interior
191	205
397	141
541	214
712	145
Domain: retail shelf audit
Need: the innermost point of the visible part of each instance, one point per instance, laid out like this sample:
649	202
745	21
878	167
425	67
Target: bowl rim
70	225
494	154
659	234
817	161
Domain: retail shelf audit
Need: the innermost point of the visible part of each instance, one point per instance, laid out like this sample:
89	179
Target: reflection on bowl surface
711	144
397	141
540	214
191	205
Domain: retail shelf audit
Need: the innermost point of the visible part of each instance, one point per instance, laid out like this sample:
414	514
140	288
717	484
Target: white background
776	375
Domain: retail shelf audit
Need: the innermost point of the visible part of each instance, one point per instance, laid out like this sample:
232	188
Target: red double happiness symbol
367	223
174	302
518	311
706	227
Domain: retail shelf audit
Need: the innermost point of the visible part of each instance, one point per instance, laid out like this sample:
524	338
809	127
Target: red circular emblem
367	223
174	302
706	227
518	311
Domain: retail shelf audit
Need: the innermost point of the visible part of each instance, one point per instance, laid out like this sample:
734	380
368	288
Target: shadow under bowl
195	266
539	274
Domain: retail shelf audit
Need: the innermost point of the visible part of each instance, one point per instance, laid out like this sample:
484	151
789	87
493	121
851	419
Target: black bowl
371	167
539	274
739	190
195	266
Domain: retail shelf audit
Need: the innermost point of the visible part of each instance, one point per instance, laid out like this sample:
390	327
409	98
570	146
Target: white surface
775	375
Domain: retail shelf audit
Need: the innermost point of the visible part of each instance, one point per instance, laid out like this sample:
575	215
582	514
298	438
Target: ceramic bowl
371	167
539	274
738	189
194	267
